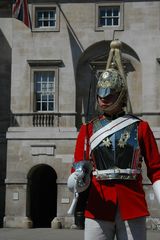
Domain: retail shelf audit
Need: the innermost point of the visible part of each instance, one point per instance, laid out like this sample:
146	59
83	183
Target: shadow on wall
5	86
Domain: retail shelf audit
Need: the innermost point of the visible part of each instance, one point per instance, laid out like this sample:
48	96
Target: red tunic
105	196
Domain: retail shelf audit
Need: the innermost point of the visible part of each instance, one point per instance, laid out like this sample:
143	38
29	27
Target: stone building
47	84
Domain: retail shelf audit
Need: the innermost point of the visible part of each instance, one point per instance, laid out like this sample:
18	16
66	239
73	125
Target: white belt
116	173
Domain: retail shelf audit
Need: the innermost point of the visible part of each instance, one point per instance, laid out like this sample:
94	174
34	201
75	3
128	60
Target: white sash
111	128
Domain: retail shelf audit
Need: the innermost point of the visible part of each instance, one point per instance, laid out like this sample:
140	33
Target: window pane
44	106
46	24
109	22
53	23
115	21
46	15
109	12
116	12
50	97
52	14
44	87
44	97
102	12
50	87
50	107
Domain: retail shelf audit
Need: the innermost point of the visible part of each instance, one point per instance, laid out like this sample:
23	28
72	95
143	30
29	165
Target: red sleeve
82	143
82	139
149	150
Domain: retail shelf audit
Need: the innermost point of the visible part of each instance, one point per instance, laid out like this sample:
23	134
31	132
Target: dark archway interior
43	196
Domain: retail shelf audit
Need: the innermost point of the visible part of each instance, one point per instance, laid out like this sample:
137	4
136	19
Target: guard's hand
78	182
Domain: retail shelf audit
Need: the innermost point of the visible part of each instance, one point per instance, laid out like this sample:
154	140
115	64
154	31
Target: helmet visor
104	92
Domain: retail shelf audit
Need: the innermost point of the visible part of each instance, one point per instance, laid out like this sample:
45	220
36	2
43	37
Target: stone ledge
41	133
17	222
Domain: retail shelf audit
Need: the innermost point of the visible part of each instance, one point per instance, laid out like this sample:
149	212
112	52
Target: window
44	90
45	18
109	16
44	84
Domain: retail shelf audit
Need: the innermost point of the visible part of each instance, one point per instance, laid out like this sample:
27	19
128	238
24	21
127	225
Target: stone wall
76	45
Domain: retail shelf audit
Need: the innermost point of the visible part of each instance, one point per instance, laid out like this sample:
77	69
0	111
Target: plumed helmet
112	81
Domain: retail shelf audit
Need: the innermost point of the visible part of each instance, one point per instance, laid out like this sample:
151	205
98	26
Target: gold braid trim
116	59
110	57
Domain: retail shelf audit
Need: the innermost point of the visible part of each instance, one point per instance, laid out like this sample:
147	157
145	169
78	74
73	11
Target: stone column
15	210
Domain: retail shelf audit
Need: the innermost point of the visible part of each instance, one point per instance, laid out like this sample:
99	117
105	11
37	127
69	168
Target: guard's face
107	101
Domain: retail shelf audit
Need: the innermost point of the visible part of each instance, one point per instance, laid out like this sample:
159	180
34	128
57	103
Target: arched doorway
42	195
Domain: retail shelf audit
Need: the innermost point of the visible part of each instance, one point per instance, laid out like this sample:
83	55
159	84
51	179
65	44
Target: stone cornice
35	63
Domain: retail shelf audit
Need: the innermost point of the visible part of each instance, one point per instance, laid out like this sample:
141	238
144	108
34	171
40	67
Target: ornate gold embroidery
107	142
123	139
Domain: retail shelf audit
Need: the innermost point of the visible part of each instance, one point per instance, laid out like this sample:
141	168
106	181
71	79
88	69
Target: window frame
45	7
54	69
107	5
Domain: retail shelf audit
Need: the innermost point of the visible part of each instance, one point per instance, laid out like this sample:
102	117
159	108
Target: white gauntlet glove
78	182
156	188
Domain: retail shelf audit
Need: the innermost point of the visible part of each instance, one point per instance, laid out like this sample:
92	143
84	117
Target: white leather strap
111	128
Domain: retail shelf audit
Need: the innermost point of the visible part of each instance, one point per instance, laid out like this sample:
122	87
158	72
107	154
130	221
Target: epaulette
134	116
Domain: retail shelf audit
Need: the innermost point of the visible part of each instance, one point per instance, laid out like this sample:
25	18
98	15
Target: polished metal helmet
111	82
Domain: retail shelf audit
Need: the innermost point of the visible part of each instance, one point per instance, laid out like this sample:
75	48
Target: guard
115	144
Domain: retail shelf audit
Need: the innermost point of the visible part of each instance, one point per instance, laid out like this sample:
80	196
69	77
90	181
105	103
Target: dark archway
42	194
